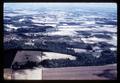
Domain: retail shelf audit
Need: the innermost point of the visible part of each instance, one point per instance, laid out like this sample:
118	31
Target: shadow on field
108	73
9	56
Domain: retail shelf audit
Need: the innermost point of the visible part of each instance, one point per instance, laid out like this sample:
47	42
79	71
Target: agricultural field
106	72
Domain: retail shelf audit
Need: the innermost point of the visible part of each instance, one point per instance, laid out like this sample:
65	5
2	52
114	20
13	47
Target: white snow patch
96	48
52	55
62	33
89	22
113	49
24	56
69	30
11	26
75	28
92	16
53	25
79	50
93	40
20	20
109	29
29	43
37	21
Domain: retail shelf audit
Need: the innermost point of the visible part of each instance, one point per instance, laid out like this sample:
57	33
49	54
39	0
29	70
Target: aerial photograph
60	41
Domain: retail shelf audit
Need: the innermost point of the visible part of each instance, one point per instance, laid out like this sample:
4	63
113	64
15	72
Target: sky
32	5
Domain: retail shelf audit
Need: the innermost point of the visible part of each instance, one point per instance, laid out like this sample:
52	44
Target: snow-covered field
24	56
52	55
65	22
37	56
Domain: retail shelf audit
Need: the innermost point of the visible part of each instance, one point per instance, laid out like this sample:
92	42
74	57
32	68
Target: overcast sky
31	5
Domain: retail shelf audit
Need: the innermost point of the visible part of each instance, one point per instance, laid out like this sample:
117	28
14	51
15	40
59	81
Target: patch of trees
77	45
83	59
105	36
12	44
108	57
33	29
27	65
57	63
84	33
104	45
8	57
108	22
7	21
